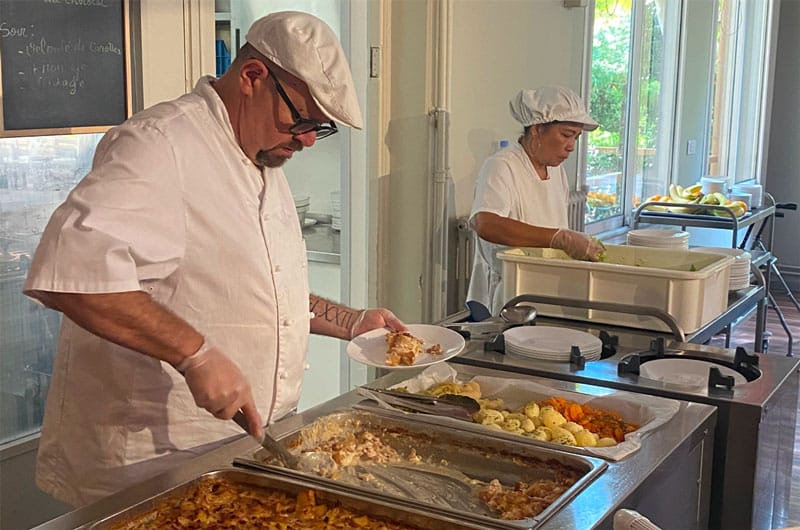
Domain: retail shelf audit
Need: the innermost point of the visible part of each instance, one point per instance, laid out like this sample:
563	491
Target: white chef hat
550	103
307	48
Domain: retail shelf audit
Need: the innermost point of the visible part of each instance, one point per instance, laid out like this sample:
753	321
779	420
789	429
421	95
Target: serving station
675	457
755	395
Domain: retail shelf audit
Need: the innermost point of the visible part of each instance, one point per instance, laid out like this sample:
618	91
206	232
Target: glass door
323	181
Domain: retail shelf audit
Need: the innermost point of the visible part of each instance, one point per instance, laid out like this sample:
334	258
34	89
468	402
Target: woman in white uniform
522	191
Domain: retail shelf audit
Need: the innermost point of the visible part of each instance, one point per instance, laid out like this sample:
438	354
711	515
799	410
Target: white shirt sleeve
494	192
121	225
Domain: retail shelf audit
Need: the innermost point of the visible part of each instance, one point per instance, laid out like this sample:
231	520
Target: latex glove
577	245
218	385
370	319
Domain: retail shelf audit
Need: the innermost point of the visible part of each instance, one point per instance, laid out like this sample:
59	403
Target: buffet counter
676	458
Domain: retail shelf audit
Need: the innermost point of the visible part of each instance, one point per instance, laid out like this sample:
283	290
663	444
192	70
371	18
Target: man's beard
265	159
269	158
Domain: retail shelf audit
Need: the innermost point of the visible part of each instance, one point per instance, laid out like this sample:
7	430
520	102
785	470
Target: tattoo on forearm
341	316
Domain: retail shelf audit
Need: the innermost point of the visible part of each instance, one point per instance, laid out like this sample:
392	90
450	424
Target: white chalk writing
9	30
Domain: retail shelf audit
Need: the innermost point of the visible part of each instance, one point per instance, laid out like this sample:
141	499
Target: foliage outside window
636	97
631	98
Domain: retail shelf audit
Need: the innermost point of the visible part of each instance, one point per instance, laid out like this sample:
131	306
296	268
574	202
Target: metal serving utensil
518	314
450	405
311	461
269	443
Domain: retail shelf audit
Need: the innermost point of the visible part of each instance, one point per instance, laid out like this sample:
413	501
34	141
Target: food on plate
402	348
221	503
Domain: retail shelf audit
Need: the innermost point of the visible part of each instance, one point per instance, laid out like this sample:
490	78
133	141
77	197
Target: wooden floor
778	345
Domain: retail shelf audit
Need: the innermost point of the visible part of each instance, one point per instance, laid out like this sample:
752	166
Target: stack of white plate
740	270
756	193
659	238
550	343
336	206
301	204
714	184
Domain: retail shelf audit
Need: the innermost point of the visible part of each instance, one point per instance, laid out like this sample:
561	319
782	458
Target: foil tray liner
440	469
394	512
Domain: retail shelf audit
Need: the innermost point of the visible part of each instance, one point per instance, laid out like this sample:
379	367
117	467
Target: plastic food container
691	286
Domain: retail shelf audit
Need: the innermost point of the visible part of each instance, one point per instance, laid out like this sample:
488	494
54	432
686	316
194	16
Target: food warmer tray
374	507
448	449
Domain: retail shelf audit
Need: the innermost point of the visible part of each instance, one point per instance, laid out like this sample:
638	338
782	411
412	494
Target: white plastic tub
690	286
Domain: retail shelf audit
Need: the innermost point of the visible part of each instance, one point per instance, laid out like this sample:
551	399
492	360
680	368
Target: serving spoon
269	443
518	314
317	462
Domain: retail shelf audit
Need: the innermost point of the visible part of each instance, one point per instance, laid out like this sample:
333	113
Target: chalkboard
64	64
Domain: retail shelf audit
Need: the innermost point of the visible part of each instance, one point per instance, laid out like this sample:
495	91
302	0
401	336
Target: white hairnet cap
550	103
307	48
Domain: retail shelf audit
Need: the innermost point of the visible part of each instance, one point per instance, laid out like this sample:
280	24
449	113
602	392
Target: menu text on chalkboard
64	63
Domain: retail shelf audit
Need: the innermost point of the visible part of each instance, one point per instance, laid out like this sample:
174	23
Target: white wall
534	43
499	47
783	163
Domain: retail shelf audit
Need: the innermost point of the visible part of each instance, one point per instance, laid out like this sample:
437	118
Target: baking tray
444	455
394	512
650	412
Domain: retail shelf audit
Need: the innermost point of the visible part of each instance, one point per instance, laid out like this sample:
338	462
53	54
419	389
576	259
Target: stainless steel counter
755	421
677	458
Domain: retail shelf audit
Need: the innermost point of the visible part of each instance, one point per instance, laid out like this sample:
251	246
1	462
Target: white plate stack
336	206
301	204
548	343
740	270
659	238
756	193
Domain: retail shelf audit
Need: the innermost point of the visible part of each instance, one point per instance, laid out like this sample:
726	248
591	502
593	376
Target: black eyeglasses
304	125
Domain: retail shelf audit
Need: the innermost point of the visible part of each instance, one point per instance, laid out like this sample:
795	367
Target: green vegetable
692	268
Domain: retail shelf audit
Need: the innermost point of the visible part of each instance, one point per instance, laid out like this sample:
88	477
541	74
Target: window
736	147
36	174
678	89
632	93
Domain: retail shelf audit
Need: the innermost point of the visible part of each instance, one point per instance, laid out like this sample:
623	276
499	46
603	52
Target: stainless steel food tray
398	513
478	456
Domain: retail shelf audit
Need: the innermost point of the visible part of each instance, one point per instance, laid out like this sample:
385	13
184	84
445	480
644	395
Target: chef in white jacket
179	266
521	194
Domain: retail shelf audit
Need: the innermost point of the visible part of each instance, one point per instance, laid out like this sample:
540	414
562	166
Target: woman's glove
370	319
218	385
577	245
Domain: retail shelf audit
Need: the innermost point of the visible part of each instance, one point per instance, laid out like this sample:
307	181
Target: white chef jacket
172	207
509	186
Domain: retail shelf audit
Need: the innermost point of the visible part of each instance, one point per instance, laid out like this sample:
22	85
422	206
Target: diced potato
531	409
606	442
516	416
551	417
528	425
572	427
541	433
585	438
563	436
511	424
492	403
488	416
